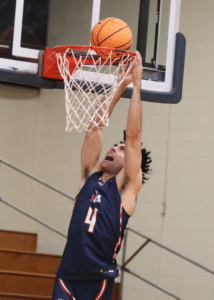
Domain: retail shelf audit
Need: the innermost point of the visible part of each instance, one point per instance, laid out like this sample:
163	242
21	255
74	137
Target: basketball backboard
27	26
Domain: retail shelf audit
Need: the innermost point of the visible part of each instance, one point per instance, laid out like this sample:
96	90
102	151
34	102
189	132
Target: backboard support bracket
175	95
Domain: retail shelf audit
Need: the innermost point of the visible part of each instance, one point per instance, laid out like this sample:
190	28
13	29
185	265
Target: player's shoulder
96	172
128	191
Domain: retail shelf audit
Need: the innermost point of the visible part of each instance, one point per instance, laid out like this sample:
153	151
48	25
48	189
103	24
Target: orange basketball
111	33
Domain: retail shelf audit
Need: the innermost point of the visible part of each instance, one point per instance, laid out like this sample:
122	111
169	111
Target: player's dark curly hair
146	159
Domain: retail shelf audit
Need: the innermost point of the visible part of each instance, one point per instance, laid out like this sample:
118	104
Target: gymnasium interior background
175	206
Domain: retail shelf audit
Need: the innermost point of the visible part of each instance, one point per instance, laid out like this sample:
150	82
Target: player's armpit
128	198
124	182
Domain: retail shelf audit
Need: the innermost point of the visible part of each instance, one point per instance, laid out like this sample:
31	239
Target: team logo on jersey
96	197
100	181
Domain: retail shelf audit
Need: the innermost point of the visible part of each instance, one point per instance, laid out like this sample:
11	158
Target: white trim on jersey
119	238
102	290
64	287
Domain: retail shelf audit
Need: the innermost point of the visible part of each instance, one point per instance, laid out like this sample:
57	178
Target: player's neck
106	176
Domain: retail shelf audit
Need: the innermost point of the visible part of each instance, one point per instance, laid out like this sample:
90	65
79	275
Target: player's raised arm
92	146
129	180
133	155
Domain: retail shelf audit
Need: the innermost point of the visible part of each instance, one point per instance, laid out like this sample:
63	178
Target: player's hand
128	79
137	69
135	73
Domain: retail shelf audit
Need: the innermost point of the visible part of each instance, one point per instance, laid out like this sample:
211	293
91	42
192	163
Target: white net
87	88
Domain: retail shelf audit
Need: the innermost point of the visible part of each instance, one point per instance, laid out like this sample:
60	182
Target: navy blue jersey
95	233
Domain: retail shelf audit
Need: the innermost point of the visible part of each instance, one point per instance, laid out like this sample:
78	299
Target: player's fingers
138	56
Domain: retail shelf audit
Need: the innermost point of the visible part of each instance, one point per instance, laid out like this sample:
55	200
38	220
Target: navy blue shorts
83	289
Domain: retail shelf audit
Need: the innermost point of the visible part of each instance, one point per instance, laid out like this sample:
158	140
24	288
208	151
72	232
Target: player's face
114	159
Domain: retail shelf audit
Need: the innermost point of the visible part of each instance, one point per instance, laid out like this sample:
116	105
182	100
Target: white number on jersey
91	218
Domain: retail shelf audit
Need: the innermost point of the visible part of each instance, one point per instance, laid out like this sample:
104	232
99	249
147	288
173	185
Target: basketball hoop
88	79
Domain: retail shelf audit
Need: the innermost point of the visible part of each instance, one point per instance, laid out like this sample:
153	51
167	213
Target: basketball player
105	201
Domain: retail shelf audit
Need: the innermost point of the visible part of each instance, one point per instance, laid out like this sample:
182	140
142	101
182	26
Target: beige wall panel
175	207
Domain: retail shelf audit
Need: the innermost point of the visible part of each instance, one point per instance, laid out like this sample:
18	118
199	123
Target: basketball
111	33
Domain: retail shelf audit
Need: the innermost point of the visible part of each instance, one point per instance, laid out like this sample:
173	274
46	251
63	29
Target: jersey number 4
91	218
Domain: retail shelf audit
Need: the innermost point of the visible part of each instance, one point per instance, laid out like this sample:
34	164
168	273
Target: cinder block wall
175	207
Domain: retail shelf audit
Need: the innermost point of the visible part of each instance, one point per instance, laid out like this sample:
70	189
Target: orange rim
63	48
